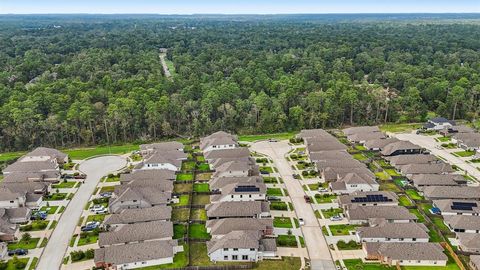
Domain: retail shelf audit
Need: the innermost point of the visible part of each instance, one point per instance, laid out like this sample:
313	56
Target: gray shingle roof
226	225
50	152
231	190
31	166
398	146
379	143
469	241
219	182
148	174
428	168
475	260
437	179
329	155
359	212
316	145
237	209
127	216
394	230
411	159
238	152
407	251
137	232
236	239
452	192
218	138
466	222
361	129
347	199
151	195
161	147
310	133
359	137
446	206
138	252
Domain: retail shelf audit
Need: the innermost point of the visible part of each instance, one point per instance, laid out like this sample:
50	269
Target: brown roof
50	152
226	225
310	133
128	216
464	222
452	192
469	240
406	251
428	168
219	182
138	252
411	159
394	230
329	155
31	166
148	174
361	129
228	153
137	232
218	138
236	239
237	209
359	212
397	146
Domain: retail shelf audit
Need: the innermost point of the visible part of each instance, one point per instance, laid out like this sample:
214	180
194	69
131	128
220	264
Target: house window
11	201
244	257
252	249
231	196
134	200
225	249
250	195
234	257
225	258
241	196
235	249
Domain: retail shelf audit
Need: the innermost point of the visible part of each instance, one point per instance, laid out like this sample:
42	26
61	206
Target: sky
238	6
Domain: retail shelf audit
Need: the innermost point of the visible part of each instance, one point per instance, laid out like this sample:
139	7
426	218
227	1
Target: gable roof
437	179
310	133
235	239
452	192
411	159
361	129
227	225
349	199
239	188
162	147
218	138
137	232
358	137
360	212
446	205
391	148
220	182
126	216
329	155
151	195
138	252
441	120
379	143
394	230
147	174
31	166
469	241
427	168
228	153
237	209
466	222
406	251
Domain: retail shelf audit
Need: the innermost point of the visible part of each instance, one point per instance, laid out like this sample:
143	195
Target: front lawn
270	180
279	206
286	241
112	178
55	197
49	209
342	229
37	225
87	238
201	187
357	264
198	231
325	198
185	177
351	245
100	218
107	189
282	222
328	213
31	244
274	192
443	139
64	184
413	194
21	261
266	169
467	153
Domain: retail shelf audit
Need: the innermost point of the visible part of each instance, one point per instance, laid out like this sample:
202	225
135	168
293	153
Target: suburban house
425	180
329	155
220	227
353	182
248	209
438	123
361	129
411	159
456	129
171	160
393	232
334	173
240	152
136	255
469	242
372	198
235	169
237	192
137	232
218	141
216	184
20	177
427	168
401	148
32	167
449	192
220	161
467	141
463	223
137	197
323	144
450	207
364	137
44	153
248	246
131	216
33	192
148	149
379	144
358	214
11	199
9	218
152	175
403	253
313	133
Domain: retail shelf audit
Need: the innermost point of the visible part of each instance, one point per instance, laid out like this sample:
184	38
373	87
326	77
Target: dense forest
81	80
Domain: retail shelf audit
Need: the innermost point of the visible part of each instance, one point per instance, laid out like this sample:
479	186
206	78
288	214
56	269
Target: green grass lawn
37	225
351	245
464	153
49	209
183	200
282	222
397	128
286	241
89	238
392	172
404	201
278	136
198	214
266	169
382	176
182	187
449	145
421	218
443	139
200	158
100	218
328	213
180	215
325	198
55	197
107	189
342	229
279	206
360	157
204	187
451	265
64	184
25	245
185	177
287	263
198	231
201	199
11	155
188	165
33	265
11	265
360	147
203	176
357	264
413	194
274	192
179	231
113	178
270	180
180	260
383	163
203	167
83	153
389	186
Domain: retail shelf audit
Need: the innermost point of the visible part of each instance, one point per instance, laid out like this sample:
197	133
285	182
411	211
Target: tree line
83	80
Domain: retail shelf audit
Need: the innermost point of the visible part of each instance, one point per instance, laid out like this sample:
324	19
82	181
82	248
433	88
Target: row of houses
465	137
25	183
139	231
335	165
239	218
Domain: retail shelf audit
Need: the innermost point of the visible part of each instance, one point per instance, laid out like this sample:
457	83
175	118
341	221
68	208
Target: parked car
90	226
336	218
101	211
67	176
301	222
18	251
307	199
273	198
272	140
264	172
322	190
296	176
39	216
80	176
106	194
97	208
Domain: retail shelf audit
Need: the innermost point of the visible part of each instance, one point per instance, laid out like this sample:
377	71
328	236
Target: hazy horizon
246	7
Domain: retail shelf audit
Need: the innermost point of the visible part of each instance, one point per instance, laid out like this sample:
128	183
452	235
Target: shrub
305	173
77	255
313	172
26	228
89	253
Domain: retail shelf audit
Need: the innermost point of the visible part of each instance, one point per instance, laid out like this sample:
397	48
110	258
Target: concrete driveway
317	246
429	143
95	169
